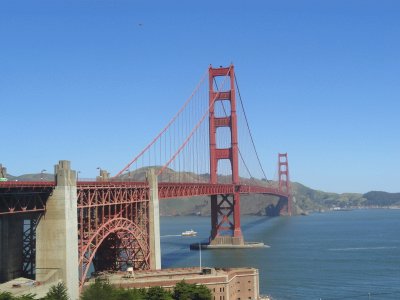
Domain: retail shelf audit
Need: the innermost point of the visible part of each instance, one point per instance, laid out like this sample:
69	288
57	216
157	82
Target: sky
94	81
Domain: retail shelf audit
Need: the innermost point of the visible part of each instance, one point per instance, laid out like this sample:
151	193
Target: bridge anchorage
64	229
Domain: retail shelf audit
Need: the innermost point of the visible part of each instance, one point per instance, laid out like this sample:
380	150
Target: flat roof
169	277
22	286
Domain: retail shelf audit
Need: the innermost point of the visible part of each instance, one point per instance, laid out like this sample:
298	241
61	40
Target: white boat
190	232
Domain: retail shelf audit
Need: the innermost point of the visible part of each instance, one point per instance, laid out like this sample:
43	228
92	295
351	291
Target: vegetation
183	291
57	292
102	290
382	199
9	296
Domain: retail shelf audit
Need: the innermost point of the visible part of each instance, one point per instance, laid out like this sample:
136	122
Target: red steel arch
118	215
135	244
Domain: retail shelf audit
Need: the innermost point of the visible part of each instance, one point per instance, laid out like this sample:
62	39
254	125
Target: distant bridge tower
225	209
284	183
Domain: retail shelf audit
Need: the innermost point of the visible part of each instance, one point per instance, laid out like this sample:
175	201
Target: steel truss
222	209
23	198
29	246
113	228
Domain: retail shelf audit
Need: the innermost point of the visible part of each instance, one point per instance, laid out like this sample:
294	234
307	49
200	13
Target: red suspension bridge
197	154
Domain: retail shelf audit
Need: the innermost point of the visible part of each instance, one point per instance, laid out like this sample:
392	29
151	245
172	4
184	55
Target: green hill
376	198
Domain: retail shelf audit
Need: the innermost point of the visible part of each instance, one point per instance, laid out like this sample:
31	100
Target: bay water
332	255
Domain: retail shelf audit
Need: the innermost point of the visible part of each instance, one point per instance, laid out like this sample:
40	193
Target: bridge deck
31	196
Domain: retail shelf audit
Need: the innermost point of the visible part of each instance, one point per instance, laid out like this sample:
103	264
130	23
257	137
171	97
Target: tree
186	291
9	296
100	290
158	293
202	293
6	296
26	297
130	294
57	292
183	291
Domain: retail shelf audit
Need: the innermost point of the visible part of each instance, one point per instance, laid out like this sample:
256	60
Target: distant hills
313	200
305	199
31	177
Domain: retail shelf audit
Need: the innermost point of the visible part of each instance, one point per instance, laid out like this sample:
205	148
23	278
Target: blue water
335	255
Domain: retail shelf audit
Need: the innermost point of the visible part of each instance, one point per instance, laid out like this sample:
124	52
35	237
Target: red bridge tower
225	209
284	183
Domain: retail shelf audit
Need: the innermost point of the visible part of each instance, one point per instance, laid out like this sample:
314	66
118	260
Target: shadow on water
257	222
184	243
363	253
176	249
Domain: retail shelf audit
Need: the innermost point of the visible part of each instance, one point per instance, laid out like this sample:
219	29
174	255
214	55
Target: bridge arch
133	241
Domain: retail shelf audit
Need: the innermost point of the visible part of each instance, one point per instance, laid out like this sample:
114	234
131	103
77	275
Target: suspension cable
193	131
226	115
166	127
248	127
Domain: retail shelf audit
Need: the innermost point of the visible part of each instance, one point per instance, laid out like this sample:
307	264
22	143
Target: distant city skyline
94	81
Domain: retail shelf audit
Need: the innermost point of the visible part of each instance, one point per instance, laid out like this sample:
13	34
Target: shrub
57	292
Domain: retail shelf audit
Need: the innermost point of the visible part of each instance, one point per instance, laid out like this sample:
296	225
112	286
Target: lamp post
77	176
41	174
100	177
127	172
200	255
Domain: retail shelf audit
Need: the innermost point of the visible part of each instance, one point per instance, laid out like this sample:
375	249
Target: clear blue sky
83	81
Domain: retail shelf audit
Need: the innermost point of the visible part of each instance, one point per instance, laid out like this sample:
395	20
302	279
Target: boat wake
361	248
170	235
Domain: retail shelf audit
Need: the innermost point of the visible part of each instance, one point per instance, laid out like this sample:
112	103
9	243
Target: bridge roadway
32	195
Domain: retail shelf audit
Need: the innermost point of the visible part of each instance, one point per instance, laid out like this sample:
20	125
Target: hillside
305	199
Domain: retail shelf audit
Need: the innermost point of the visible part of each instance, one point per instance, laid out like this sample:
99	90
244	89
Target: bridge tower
284	183
225	209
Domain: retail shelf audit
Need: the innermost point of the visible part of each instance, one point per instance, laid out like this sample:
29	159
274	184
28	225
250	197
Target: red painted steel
284	183
130	191
113	222
165	128
24	197
113	216
230	214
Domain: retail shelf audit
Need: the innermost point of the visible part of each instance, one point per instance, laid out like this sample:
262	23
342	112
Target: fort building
224	283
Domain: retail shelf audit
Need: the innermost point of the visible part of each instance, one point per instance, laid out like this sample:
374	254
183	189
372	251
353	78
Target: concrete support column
57	233
104	176
11	242
154	221
3	171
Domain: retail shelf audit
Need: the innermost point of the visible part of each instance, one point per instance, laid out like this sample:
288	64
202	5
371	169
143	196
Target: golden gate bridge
207	149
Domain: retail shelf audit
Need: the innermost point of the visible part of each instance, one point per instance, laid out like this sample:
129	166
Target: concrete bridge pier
57	233
11	242
154	221
3	171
